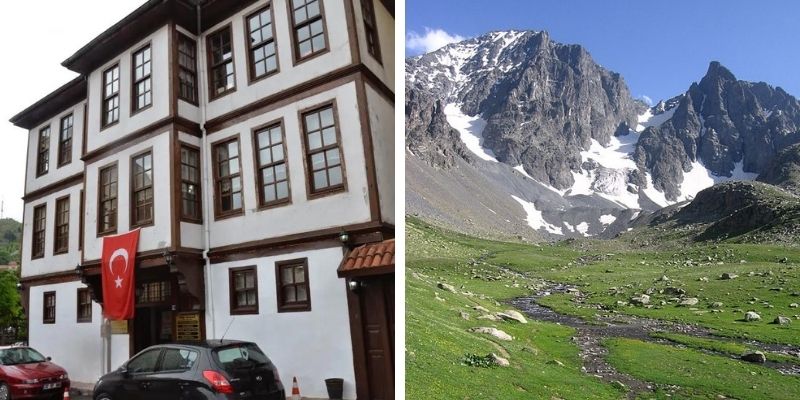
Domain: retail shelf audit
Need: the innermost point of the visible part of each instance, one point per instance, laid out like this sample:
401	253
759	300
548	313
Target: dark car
214	369
26	374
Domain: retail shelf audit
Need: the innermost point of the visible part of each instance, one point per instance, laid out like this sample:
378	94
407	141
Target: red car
26	374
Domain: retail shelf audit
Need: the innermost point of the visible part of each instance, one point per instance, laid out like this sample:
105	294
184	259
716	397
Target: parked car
27	374
214	369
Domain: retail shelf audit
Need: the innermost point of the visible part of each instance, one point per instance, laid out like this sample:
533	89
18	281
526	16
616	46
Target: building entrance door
153	318
377	311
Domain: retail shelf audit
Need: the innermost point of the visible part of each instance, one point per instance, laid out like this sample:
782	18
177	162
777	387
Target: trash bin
335	387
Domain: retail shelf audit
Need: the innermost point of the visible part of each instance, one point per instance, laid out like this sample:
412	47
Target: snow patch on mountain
699	178
649	119
583	228
470	130
607	219
535	218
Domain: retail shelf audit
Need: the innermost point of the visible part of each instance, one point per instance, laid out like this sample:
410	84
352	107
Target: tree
10	307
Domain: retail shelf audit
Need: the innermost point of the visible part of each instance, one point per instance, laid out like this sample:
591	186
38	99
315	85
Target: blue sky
659	47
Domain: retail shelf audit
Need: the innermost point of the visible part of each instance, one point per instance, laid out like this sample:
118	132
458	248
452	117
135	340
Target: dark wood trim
78	318
103	125
330	190
358	341
297	306
262	205
45	295
179	179
53	187
144	259
367	272
369	151
218	213
177	69
209	68
49	129
114	164
81	227
175	188
296	59
328	237
50	278
134	110
131	192
244	310
67	96
61	119
34	255
139	136
251	79
352	31
378	56
379	86
55	225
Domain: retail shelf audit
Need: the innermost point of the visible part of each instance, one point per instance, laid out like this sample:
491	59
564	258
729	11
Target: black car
214	369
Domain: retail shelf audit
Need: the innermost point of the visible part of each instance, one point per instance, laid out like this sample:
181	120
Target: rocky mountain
511	132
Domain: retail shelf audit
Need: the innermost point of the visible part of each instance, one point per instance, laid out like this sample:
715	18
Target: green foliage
474	360
10	309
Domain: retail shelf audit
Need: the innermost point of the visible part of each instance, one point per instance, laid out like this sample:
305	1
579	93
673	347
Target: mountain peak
717	70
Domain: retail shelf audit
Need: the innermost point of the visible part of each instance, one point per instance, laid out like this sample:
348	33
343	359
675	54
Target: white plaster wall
302	215
52	263
127	124
385	68
55	173
289	75
312	345
381	120
78	347
152	237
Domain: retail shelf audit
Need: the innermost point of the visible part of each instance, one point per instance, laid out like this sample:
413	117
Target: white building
253	144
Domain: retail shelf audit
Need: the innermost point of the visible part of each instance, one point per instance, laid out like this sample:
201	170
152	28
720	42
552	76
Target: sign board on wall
187	326
119	327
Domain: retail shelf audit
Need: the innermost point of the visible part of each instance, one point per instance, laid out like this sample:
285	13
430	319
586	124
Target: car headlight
64	376
30	381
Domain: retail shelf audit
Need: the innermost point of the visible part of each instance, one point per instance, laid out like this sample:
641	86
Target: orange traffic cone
295	389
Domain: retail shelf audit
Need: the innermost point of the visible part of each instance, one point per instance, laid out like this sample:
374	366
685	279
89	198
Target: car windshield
20	355
244	355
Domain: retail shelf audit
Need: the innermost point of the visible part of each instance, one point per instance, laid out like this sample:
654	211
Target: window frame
64	150
57	225
38	243
198	184
180	68
311	193
296	306
105	97
236	309
297	59
83	317
135	82
134	223
212	94
218	212
100	200
262	205
250	63
45	296
43	151
373	29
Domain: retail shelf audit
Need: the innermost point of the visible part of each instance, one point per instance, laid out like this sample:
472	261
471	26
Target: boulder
446	287
781	320
499	361
490	317
492	332
689	301
480	308
464	315
716	304
511	315
674	291
754	357
640	300
729	275
752	316
794	305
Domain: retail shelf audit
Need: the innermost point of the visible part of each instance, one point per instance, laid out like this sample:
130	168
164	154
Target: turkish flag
119	259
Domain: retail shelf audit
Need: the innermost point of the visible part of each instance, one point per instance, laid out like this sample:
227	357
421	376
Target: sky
659	47
37	37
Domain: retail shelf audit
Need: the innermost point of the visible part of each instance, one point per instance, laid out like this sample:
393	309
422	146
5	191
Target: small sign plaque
187	326
119	327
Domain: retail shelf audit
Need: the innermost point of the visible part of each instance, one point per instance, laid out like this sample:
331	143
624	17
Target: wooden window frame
235	309
83	317
298	59
134	221
311	193
45	296
65	145
145	77
296	306
104	123
43	152
38	237
113	228
251	66
181	68
258	166
58	224
218	212
199	193
371	29
212	94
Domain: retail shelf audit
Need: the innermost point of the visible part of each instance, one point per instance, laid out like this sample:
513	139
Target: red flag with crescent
119	259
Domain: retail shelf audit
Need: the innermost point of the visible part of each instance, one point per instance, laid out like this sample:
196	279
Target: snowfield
535	219
470	130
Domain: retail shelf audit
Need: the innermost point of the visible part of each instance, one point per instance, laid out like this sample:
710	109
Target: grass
721	346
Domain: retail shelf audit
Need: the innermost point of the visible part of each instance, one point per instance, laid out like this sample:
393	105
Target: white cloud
433	39
647	100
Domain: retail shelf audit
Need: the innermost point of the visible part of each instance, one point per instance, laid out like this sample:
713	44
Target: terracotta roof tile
369	256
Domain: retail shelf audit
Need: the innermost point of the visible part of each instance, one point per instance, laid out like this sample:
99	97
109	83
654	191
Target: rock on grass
493	332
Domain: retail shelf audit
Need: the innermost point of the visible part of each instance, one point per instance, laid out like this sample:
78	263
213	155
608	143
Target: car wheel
4	392
102	396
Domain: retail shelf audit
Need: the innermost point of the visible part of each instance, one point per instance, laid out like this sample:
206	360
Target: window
144	363
107	218
62	226
153	292
49	308
371	28
142	189
273	179
111	95
323	156
228	177
84	305
39	225
262	56
178	360
65	141
142	82
190	184
309	28
292	281
244	290
220	51
187	68
43	156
